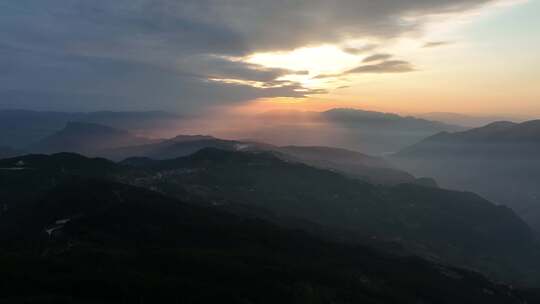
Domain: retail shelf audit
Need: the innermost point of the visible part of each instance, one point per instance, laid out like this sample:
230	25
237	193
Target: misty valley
94	210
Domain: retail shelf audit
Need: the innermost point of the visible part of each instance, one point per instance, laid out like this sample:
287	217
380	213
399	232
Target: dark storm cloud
162	53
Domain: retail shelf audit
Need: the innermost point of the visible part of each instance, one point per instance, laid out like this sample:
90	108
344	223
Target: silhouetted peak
373	119
500	125
502	131
60	162
530	127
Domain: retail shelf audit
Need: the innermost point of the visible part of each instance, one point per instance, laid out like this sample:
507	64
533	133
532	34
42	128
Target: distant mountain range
97	140
371	132
86	138
500	161
21	128
501	132
471	121
181	145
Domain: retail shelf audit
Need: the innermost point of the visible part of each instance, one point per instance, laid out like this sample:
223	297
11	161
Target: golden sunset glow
325	59
471	57
452	68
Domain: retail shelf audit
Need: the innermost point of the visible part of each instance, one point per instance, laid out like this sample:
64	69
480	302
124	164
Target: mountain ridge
499	161
21	128
109	242
353	163
445	226
86	138
427	219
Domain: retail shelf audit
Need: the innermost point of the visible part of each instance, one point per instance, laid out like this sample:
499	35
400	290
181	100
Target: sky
189	56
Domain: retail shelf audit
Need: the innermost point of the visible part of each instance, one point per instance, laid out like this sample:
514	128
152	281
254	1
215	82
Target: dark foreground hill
92	241
500	161
445	226
455	227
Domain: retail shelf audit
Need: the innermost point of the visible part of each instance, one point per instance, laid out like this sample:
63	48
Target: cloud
377	57
217	67
383	67
360	50
433	44
169	51
89	83
389	66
